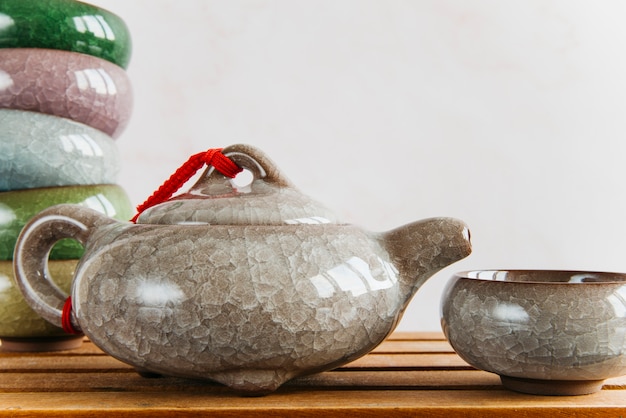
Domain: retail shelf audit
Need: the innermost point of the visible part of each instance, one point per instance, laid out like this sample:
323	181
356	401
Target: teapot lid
215	199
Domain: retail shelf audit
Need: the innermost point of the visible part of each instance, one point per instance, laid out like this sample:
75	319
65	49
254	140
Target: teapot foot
147	373
257	382
35	344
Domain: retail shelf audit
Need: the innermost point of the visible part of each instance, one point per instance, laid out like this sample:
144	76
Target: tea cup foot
551	387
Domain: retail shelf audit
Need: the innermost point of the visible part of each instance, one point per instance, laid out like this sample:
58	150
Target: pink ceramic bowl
71	85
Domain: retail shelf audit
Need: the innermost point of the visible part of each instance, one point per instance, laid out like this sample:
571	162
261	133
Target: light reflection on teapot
353	276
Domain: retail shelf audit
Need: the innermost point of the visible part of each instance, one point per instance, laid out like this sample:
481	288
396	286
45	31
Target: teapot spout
421	249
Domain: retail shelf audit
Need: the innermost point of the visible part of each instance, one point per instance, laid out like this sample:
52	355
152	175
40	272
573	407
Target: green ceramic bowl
21	329
18	206
65	24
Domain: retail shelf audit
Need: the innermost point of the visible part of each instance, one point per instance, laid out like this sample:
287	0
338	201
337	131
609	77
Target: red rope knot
213	157
66	318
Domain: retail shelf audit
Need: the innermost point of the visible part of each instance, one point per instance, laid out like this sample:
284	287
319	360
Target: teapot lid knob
268	199
213	157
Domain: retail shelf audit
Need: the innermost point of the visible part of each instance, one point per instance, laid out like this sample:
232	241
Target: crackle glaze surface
266	205
250	305
17	319
39	150
545	325
66	25
239	301
76	86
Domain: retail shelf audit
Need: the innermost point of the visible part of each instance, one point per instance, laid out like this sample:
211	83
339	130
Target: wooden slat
409	374
436	403
408	346
408	361
55	364
106	364
413	336
132	382
381	380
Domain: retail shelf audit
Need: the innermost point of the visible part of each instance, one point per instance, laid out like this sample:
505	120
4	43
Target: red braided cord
222	163
213	157
66	317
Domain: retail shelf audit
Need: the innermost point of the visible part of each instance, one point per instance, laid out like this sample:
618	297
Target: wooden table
409	374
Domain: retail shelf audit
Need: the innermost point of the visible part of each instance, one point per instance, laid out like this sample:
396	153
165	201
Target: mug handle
30	261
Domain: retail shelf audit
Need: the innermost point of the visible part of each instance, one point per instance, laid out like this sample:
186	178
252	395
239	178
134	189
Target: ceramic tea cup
21	329
542	331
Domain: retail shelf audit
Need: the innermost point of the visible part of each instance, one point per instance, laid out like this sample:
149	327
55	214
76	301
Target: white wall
508	115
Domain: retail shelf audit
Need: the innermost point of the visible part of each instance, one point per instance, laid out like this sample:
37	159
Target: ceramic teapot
249	286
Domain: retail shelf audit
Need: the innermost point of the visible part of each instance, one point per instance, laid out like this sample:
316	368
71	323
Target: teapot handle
30	261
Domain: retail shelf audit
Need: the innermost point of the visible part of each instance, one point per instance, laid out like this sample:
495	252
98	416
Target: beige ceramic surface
249	287
545	332
18	322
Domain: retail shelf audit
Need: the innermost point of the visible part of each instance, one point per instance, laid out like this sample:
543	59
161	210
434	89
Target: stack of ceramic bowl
64	99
